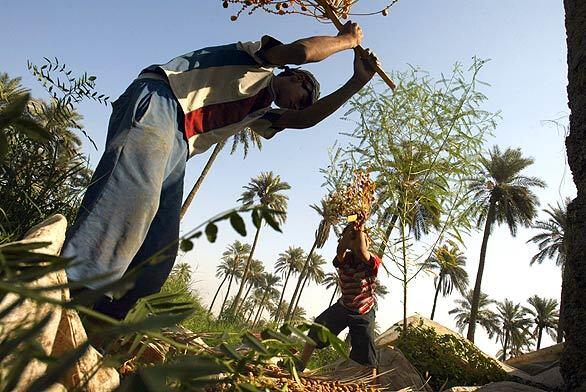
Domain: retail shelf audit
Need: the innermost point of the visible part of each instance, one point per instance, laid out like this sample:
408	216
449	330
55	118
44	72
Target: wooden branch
331	15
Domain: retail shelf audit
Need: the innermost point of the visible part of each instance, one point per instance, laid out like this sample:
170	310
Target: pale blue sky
524	39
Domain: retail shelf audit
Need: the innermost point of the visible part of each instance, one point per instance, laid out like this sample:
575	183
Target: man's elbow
365	257
300	54
297	121
303	123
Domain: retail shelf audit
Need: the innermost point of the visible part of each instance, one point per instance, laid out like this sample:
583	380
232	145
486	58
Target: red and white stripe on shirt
357	282
222	91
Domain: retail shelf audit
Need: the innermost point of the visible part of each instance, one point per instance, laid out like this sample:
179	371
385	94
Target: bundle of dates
354	202
312	8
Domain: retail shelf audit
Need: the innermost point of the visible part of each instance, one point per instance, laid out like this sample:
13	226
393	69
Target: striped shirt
357	282
223	90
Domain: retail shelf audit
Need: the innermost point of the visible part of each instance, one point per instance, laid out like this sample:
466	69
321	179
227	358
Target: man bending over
171	112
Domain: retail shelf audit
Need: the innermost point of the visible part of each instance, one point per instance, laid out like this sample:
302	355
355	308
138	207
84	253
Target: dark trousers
336	318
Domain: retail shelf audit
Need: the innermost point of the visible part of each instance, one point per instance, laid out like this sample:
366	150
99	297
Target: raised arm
314	49
361	245
343	245
310	116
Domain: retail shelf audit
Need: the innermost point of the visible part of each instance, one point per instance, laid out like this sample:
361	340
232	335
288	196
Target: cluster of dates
354	202
312	8
289	384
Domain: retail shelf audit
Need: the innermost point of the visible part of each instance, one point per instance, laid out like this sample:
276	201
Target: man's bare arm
310	116
343	245
362	247
314	49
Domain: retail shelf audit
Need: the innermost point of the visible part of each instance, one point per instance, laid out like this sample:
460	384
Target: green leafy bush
324	357
447	359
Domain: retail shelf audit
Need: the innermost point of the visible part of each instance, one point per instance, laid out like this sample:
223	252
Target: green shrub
447	359
323	357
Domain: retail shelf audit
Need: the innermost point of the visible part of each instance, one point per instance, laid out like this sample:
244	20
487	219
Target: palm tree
328	219
266	190
255	277
298	315
331	280
485	317
247	309
572	364
270	291
289	262
10	88
448	264
255	299
313	273
182	272
233	256
245	138
552	243
503	196
280	313
545	317
513	328
224	271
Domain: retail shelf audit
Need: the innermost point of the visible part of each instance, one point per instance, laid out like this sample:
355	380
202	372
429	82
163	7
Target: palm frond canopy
331	280
500	183
315	268
551	241
291	259
545	314
267	190
233	259
246	138
256	273
514	325
182	271
487	318
271	283
328	219
448	264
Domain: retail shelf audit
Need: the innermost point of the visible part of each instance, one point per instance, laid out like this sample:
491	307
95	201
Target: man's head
295	89
351	234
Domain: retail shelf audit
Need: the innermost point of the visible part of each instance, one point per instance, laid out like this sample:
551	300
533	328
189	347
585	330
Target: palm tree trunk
250	313
560	329
505	346
437	290
385	239
227	293
299	296
217	292
250	286
202	176
259	312
282	295
572	364
405	272
299	281
333	296
539	333
476	294
236	304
